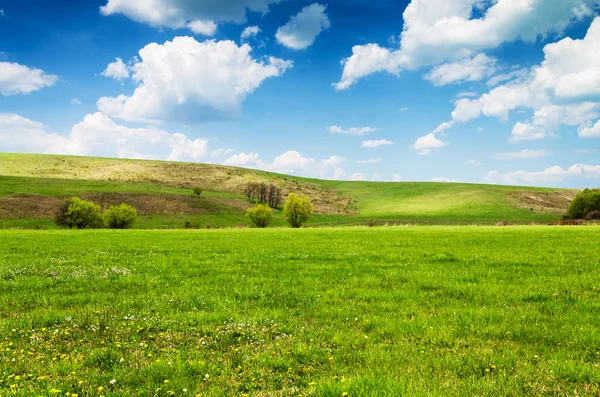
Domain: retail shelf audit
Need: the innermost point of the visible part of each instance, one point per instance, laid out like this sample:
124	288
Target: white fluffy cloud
468	69
590	130
562	90
371	144
437	31
99	135
19	134
249	31
357	176
185	79
552	175
21	79
358	131
427	143
369	161
199	16
302	29
116	70
365	60
243	159
292	162
523	155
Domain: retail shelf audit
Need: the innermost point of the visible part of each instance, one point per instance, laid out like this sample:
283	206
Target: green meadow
388	311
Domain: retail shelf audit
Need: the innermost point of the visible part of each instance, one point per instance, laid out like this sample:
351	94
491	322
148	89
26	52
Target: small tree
198	191
585	202
260	216
81	214
297	210
121	217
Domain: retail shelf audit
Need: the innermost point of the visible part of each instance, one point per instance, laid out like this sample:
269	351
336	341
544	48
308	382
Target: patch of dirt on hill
556	202
28	206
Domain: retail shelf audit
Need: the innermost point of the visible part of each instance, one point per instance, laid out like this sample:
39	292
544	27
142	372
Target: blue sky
492	91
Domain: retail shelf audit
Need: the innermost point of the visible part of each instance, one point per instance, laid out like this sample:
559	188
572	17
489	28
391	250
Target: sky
478	91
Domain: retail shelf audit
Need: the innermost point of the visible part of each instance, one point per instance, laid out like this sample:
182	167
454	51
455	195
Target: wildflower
55	391
100	388
166	381
344	394
113	381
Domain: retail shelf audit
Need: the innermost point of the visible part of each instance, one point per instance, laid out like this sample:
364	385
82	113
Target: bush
79	214
297	210
197	191
121	217
585	202
191	225
372	222
260	216
61	215
593	216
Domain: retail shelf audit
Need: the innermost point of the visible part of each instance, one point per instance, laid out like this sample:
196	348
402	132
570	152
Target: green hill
32	186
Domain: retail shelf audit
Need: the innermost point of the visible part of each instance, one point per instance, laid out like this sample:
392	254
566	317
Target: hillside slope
31	186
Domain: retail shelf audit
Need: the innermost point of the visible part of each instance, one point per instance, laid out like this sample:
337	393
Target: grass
419	311
337	202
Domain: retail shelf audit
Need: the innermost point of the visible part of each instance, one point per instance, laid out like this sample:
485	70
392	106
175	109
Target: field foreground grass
436	311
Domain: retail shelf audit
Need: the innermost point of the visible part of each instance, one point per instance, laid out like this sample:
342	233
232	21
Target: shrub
373	222
79	214
297	210
197	191
61	215
121	217
260	216
593	216
585	202
192	225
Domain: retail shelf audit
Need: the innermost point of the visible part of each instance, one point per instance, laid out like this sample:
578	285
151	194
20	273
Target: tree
79	214
197	191
263	193
297	210
585	202
260	216
121	217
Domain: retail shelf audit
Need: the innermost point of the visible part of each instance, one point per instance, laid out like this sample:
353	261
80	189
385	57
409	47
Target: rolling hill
32	186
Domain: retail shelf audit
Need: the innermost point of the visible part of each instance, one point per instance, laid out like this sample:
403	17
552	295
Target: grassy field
32	186
419	311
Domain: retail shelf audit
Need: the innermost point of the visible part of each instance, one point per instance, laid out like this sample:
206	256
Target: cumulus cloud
590	130
243	159
99	135
75	101
358	131
473	162
370	144
437	31
19	134
369	161
443	180
552	175
21	79
292	162
525	154
184	79
397	178
425	144
357	176
201	17
562	90
468	69
302	29
365	60
116	70
249	31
